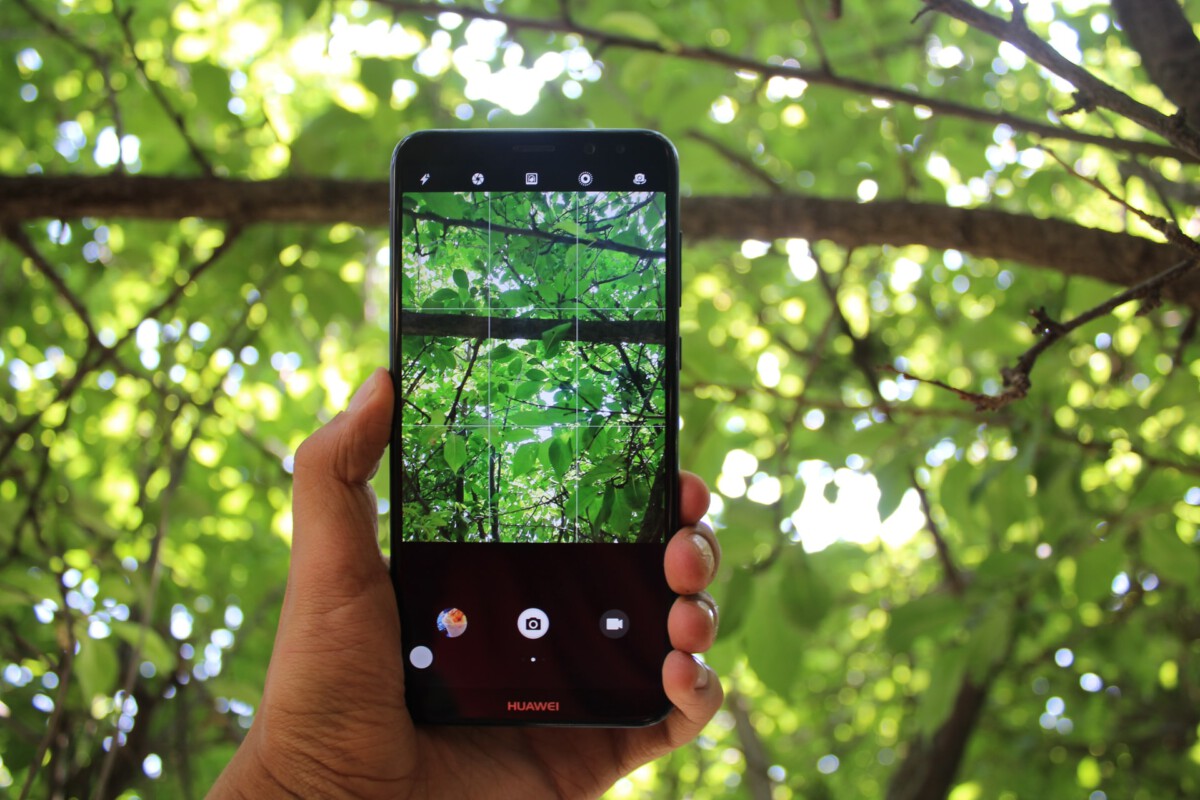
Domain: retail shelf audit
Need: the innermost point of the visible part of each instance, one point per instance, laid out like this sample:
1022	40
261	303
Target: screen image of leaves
534	336
959	537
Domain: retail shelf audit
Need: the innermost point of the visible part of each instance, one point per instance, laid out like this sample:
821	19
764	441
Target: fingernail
710	607
364	393
701	675
705	550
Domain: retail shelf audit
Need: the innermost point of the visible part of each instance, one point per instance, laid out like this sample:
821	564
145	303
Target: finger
693	497
692	558
334	512
696	693
692	623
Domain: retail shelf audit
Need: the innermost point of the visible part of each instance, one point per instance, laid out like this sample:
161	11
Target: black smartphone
535	352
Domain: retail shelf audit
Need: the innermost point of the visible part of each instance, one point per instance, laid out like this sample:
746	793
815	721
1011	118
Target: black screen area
535	477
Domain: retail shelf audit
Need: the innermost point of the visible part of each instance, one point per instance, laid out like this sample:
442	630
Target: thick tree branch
466	326
1093	91
549	236
821	75
1170	51
1055	244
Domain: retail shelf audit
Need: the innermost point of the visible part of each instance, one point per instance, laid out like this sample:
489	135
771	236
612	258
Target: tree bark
1170	51
1050	243
929	771
472	326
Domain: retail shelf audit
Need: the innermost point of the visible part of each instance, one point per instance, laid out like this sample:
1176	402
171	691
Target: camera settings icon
533	623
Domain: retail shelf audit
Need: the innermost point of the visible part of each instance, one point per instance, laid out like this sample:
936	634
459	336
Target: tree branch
470	326
1056	244
18	237
954	577
1016	379
605	39
64	671
1093	90
1170	51
533	233
158	94
758	782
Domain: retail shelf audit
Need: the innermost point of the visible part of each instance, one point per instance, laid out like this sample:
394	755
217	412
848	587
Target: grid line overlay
616	389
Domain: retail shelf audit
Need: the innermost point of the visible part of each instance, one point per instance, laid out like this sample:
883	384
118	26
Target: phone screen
535	477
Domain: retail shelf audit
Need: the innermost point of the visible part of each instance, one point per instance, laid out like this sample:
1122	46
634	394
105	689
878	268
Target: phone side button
679	282
679	355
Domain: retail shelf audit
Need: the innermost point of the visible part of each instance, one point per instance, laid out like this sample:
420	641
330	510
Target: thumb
334	511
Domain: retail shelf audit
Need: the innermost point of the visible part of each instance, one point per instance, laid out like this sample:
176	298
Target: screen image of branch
533	366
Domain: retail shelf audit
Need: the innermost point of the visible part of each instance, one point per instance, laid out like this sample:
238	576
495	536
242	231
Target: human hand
333	723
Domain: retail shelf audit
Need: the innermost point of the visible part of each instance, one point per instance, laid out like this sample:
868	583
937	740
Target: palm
353	683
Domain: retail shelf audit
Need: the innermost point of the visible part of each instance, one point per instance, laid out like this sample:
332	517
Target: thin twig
156	90
96	356
1168	229
818	44
758	761
16	234
65	665
860	349
1016	379
739	160
1091	91
953	576
178	462
61	32
1185	338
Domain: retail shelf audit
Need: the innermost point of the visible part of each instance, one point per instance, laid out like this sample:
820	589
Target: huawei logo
531	705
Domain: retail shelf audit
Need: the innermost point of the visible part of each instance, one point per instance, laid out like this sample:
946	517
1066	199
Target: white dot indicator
420	657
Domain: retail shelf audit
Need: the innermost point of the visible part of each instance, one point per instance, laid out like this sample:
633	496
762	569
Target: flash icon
424	178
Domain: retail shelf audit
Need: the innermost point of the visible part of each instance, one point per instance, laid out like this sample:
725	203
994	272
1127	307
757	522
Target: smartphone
534	469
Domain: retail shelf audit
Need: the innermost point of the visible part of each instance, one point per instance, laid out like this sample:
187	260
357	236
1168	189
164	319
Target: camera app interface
532	367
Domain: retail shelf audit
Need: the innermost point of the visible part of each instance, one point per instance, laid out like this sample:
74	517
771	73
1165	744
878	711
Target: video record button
614	624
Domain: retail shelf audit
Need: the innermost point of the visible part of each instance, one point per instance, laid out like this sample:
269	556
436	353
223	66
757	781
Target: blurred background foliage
925	593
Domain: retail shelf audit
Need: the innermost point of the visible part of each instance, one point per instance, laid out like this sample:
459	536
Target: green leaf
460	279
776	666
894	480
1096	567
524	458
154	648
734	597
553	336
989	640
454	449
1169	557
932	615
560	456
945	681
631	23
804	596
95	667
